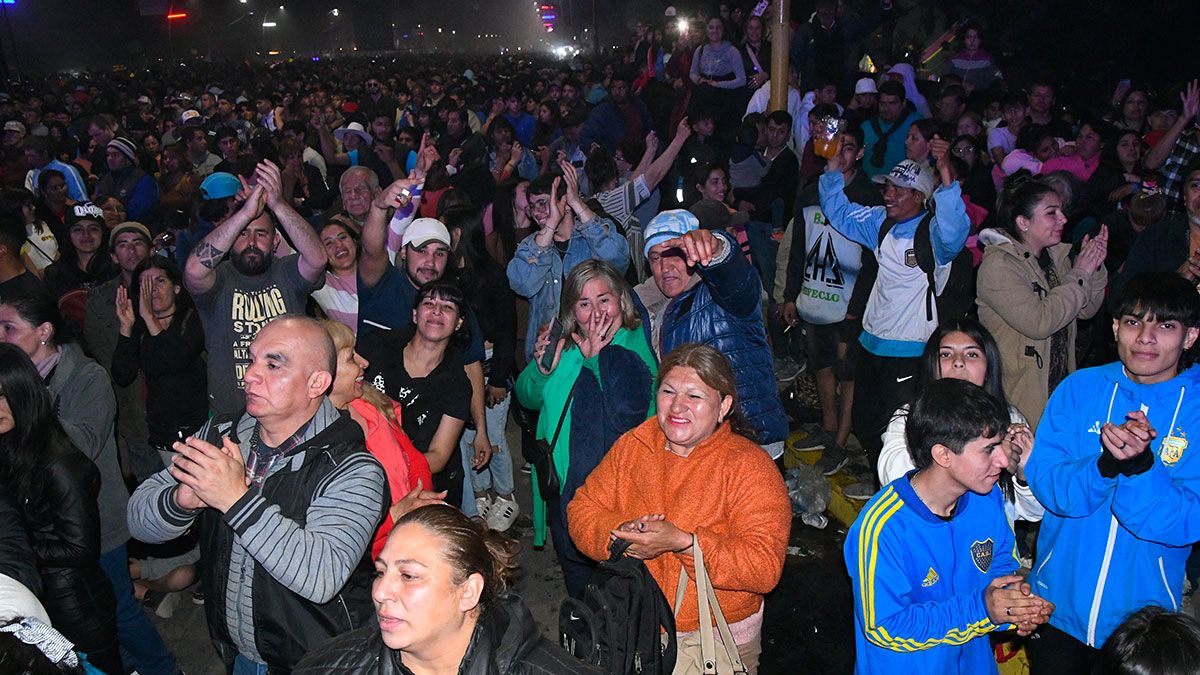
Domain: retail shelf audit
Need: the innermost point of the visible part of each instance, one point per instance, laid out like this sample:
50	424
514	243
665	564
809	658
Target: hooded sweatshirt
1110	546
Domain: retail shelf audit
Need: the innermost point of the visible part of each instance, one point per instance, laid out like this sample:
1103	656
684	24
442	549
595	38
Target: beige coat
1022	318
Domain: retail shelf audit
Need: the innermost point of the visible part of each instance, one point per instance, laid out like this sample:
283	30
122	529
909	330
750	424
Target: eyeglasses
963	150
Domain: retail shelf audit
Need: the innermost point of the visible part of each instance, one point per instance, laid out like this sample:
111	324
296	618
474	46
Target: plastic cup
825	136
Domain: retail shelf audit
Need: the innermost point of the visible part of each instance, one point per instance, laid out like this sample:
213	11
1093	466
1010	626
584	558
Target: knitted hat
128	226
125	147
666	226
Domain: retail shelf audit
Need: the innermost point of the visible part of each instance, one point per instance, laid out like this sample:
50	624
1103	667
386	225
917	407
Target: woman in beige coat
1030	292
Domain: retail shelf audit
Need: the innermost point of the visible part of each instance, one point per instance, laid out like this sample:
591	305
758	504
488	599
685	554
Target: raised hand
940	149
541	345
684	128
571	178
125	315
1017	443
556	206
651	144
397	195
270	180
699	247
599	334
1191	101
415	499
146	310
1092	252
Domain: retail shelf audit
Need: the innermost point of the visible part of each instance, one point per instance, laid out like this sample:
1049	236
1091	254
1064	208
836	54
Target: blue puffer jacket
724	310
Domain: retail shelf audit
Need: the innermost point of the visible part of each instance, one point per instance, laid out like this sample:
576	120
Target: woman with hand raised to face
598	384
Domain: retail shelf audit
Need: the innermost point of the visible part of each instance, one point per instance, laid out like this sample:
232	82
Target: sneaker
833	458
483	505
503	514
166	606
859	492
198	596
527	468
816	440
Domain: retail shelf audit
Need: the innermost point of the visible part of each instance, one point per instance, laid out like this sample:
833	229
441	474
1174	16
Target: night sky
1077	42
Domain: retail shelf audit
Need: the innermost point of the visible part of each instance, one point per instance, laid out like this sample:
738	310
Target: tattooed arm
200	272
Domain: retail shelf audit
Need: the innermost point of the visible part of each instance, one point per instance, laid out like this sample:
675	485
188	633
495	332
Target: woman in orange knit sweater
693	470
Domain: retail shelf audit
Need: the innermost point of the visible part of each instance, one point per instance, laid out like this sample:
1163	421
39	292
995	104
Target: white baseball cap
424	230
865	86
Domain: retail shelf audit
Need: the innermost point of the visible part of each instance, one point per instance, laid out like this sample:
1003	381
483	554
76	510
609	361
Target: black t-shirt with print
423	400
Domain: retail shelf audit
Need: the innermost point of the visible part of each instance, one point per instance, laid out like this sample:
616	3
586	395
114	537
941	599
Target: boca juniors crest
1171	450
981	555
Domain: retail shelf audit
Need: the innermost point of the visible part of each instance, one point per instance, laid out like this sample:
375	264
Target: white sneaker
483	505
503	514
166	608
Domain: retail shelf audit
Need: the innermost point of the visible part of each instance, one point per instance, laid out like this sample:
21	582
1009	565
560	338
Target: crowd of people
268	331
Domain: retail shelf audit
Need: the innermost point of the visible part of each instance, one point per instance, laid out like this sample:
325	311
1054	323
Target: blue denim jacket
537	273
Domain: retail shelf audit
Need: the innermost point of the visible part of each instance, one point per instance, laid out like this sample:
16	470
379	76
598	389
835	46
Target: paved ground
808	620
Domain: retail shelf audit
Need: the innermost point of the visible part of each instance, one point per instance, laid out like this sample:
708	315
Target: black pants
882	384
1053	652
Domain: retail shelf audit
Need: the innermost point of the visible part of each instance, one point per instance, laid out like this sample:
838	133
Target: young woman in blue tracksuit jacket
1116	535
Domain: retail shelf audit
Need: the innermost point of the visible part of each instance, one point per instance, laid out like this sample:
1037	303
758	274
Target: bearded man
238	296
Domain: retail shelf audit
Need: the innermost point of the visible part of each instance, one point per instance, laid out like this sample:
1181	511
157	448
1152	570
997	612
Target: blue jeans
244	666
498	470
142	648
763	249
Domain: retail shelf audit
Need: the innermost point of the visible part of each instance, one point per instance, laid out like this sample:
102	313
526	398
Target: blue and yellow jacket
919	581
1110	546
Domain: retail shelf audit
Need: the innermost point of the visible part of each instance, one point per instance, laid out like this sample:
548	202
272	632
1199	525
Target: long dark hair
993	380
1022	193
503	223
183	301
34	422
472	251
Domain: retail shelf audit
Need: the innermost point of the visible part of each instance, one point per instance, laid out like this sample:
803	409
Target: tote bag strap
706	597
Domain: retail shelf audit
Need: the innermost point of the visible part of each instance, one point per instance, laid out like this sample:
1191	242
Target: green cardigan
548	394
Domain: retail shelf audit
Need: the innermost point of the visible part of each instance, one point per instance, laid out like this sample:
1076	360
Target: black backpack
957	298
619	622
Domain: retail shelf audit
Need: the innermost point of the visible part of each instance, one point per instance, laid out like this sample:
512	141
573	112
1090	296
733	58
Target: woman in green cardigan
604	369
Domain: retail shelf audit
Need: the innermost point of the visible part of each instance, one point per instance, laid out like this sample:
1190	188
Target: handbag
542	457
697	652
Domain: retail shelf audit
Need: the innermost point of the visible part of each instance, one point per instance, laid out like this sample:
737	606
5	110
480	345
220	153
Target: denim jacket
537	273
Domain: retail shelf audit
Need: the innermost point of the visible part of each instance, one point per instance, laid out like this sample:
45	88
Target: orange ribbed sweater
727	491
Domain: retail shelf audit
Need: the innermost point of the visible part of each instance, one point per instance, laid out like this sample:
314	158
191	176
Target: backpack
957	298
619	623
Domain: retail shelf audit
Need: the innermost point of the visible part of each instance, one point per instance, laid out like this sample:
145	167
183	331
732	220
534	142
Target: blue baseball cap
666	226
220	185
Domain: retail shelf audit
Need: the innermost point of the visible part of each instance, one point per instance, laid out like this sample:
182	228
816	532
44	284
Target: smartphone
547	360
